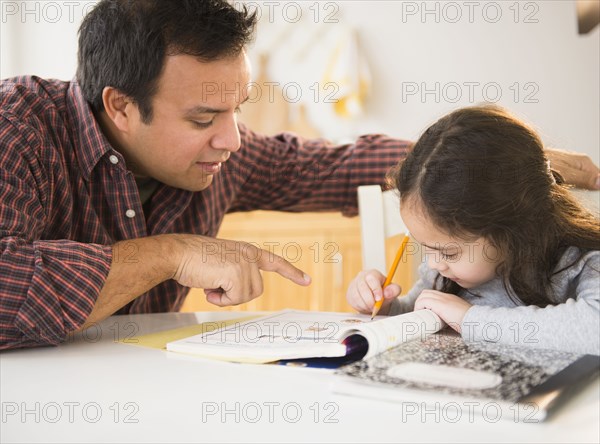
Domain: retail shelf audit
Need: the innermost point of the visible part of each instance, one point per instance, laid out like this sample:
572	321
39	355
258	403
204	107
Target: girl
512	257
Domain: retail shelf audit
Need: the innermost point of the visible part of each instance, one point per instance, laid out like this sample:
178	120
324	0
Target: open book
320	339
443	375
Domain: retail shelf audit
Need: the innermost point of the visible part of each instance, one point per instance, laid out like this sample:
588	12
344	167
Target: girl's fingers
365	296
392	291
366	289
375	287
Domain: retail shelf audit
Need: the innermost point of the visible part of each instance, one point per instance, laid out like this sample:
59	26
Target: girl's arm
406	303
572	326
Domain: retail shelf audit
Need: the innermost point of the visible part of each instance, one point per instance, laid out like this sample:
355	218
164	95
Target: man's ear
119	108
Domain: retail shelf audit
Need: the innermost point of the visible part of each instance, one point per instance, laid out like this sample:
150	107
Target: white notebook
305	335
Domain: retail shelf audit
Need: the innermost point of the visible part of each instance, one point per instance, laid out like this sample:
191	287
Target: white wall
549	56
40	37
538	54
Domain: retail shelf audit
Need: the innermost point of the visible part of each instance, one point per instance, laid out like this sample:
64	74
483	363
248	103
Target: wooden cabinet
324	245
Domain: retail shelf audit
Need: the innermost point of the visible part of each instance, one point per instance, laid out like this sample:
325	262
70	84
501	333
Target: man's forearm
137	266
576	168
193	261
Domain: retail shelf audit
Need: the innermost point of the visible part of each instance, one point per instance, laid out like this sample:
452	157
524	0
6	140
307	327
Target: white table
97	390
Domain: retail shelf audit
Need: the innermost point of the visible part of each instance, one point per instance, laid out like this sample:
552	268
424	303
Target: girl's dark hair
123	43
480	172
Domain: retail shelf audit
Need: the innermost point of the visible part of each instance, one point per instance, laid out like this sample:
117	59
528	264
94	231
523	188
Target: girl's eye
449	257
202	125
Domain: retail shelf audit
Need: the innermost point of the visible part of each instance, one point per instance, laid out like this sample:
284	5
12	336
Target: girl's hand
365	288
449	307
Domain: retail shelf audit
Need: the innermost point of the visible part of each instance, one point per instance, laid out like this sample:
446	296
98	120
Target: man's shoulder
27	95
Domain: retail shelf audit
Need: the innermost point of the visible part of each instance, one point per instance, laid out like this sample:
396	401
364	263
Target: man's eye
202	125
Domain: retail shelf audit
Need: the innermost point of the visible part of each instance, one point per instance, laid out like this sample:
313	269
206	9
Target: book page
390	331
287	334
292	334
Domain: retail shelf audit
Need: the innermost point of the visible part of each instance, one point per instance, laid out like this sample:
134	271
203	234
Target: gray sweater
572	324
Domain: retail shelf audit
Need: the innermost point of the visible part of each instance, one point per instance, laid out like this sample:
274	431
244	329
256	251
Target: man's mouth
210	167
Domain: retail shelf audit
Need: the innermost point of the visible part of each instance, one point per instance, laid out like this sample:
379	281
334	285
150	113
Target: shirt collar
90	142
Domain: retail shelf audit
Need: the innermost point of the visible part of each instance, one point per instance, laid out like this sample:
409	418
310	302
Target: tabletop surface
94	388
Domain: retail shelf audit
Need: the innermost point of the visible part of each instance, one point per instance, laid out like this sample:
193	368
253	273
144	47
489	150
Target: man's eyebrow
208	110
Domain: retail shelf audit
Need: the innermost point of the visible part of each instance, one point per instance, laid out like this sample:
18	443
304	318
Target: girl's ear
497	254
119	108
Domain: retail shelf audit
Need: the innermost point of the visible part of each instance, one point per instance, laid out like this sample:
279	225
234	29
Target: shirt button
130	214
113	159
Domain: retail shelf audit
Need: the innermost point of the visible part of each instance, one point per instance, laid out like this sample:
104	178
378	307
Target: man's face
194	123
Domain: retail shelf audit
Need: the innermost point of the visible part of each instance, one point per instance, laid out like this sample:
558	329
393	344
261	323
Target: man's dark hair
124	43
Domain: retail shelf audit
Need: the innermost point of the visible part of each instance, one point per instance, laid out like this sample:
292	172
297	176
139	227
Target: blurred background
408	62
344	68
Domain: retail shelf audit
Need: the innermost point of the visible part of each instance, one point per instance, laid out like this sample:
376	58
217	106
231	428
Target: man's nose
227	136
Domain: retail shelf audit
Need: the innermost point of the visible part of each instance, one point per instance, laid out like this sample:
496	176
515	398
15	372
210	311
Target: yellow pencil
390	276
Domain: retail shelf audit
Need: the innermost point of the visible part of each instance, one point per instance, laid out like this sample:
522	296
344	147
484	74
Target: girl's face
469	263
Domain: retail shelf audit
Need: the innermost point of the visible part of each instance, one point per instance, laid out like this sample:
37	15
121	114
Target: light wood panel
324	245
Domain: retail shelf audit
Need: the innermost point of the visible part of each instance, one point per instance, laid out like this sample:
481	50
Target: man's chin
202	185
196	186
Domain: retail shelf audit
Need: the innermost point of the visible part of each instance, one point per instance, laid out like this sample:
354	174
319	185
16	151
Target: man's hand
577	169
228	271
450	308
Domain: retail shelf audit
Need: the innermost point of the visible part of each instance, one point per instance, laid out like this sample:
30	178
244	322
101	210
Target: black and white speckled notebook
443	372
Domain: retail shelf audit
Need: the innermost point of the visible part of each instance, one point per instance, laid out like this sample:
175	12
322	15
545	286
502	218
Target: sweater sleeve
406	303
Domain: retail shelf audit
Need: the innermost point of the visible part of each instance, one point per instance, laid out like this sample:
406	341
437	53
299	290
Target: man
113	187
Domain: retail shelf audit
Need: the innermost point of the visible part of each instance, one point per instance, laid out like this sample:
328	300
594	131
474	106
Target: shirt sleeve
47	287
288	173
572	326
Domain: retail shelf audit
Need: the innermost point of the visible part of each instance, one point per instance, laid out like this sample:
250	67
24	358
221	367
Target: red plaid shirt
66	196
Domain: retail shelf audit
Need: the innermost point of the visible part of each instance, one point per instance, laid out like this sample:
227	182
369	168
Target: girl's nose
435	262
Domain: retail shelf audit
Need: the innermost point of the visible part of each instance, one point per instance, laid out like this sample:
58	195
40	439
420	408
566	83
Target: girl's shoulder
576	262
426	274
578	258
577	275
